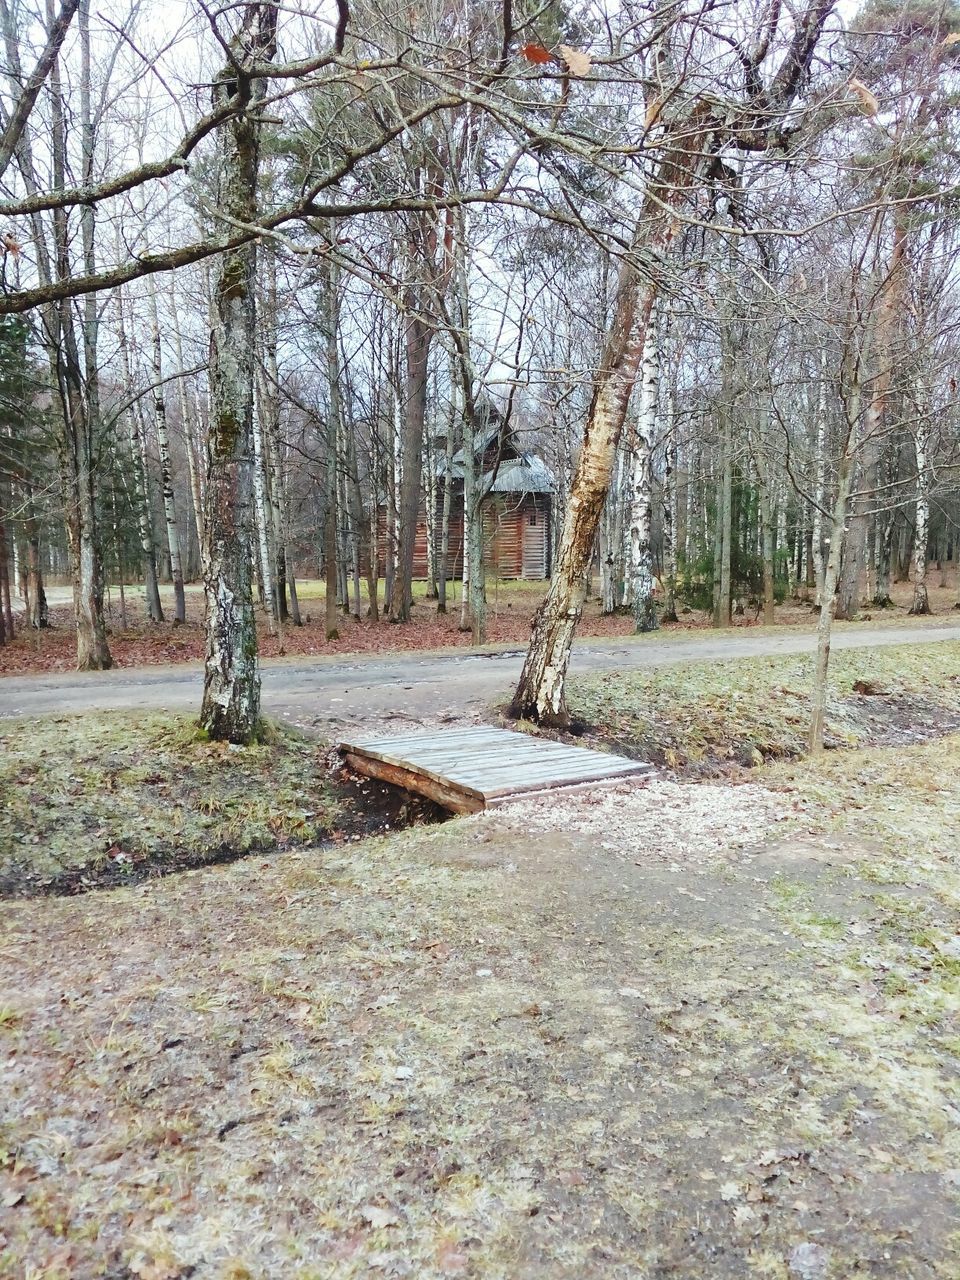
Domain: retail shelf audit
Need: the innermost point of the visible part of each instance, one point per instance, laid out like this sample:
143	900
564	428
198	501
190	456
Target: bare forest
559	381
286	297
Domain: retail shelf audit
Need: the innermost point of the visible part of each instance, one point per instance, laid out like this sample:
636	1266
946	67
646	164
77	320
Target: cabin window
533	518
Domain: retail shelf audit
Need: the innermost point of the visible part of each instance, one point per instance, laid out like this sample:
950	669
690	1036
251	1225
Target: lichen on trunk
231	693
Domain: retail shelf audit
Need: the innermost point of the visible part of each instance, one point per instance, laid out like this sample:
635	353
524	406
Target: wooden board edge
573	784
448	795
411	767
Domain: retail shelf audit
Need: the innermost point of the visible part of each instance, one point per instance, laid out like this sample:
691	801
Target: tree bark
166	472
331	337
921	443
723	599
417	338
642	442
671	512
37	615
828	597
231	694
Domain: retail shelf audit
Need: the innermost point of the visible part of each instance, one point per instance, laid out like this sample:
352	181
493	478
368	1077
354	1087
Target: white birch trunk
921	435
820	482
263	522
163	448
642	444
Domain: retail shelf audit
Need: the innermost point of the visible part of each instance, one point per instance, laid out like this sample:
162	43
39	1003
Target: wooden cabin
517	510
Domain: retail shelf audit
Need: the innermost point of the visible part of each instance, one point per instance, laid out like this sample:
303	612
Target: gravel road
330	693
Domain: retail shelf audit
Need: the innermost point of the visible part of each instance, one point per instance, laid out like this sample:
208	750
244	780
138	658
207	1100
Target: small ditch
366	808
375	808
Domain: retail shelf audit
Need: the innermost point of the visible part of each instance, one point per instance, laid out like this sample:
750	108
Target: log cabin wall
516	537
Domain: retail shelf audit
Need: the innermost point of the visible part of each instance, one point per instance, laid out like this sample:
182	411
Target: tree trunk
847	604
36	596
820	482
723	598
768	531
884	555
540	693
142	502
77	382
443	569
166	474
417	338
921	602
187	417
331	337
6	602
671	510
231	694
828	599
263	523
855	553
642	442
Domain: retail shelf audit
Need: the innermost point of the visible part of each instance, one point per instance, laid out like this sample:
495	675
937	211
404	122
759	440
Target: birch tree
231	692
693	132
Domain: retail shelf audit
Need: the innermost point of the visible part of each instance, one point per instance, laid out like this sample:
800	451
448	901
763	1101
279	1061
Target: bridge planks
469	769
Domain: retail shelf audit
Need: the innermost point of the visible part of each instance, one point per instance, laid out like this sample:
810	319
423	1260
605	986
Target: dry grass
111	797
703	717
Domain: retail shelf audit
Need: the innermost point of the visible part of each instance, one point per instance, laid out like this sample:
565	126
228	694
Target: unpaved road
422	687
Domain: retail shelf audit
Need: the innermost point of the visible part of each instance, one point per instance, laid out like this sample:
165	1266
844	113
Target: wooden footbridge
471	769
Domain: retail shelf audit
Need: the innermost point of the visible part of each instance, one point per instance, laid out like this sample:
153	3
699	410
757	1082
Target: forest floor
681	1029
135	642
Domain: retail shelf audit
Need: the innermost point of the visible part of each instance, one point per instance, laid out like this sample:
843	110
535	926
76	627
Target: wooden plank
411	770
531	769
446	794
406	741
544	784
479	768
462	751
464	769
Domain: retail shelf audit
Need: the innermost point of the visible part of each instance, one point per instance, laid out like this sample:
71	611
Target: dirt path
331	694
492	1050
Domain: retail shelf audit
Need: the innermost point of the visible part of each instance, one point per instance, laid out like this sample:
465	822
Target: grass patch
705	716
904	802
111	797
